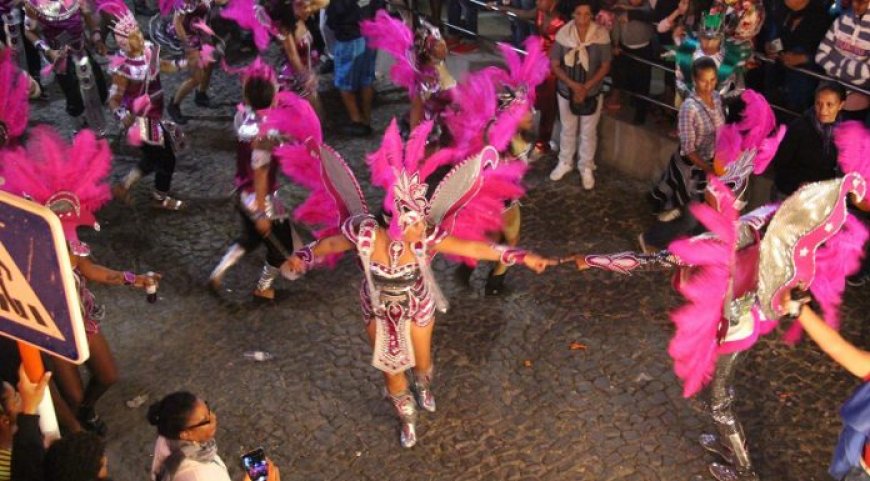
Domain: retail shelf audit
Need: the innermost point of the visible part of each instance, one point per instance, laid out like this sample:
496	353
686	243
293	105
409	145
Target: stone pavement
514	402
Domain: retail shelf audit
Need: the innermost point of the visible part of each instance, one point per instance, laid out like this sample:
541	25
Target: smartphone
254	463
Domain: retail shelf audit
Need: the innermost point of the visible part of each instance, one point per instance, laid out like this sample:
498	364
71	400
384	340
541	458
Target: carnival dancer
14	87
734	279
136	99
184	30
494	107
57	29
70	180
399	293
259	128
419	67
285	20
12	37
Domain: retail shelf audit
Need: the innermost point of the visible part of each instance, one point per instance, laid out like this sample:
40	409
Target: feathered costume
61	27
491	103
734	279
287	124
194	21
14	85
413	68
69	180
466	204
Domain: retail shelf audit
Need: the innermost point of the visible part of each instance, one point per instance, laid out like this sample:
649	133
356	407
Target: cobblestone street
515	403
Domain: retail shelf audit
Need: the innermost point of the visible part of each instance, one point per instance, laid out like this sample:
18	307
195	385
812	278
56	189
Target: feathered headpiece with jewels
68	179
494	101
14	85
426	36
123	24
711	25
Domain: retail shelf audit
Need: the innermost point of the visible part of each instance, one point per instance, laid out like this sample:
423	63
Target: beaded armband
42	46
626	262
129	278
306	255
121	113
510	255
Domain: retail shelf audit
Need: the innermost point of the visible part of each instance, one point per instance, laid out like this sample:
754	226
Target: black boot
494	285
91	421
174	111
201	99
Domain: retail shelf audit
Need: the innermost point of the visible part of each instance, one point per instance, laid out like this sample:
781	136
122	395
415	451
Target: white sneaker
587	179
560	171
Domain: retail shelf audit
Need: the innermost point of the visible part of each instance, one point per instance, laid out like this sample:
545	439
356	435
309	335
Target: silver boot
723	472
264	284
406	410
711	443
230	258
422	388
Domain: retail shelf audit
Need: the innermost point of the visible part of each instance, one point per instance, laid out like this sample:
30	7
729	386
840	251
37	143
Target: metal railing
514	17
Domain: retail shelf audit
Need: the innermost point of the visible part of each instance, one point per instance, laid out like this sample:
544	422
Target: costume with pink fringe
60	27
734	279
397	294
14	85
69	180
291	120
415	68
136	97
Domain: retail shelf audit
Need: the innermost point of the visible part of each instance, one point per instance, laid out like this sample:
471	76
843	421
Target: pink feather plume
50	165
252	17
14	87
394	37
694	347
853	147
168	6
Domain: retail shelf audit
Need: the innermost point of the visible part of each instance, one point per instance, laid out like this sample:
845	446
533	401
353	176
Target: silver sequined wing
458	187
339	182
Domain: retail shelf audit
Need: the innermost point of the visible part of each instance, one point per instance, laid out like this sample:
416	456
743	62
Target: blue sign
39	302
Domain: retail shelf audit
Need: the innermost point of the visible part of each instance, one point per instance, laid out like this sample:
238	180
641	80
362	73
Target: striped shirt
698	124
845	51
5	465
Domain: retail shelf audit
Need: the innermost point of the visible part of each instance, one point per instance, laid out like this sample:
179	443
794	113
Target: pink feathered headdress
14	87
494	101
256	69
840	256
754	130
252	17
402	170
69	179
394	37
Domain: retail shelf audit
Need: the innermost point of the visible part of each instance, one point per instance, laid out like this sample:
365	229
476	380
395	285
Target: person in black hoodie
27	444
807	152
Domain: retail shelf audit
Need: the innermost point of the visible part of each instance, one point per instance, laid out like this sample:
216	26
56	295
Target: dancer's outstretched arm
491	252
303	258
856	361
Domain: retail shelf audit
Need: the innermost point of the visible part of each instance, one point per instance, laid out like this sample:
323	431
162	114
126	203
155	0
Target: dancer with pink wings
735	277
422	217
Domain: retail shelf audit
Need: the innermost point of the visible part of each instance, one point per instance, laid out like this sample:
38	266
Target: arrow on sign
26	308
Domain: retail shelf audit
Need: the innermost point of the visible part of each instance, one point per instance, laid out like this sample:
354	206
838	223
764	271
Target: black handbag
577	73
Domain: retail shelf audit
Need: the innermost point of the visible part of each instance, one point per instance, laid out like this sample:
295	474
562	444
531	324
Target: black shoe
201	99
92	422
174	111
494	285
356	129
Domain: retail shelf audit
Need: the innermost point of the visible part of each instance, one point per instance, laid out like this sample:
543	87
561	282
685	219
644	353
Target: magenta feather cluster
391	35
50	165
14	87
252	17
694	347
